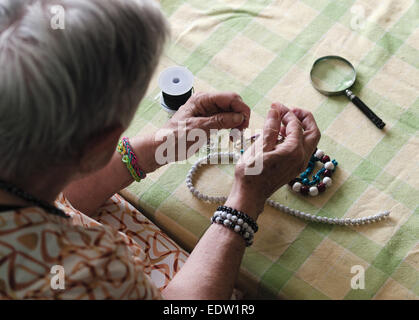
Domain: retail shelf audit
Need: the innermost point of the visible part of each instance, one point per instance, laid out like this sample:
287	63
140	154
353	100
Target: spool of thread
176	84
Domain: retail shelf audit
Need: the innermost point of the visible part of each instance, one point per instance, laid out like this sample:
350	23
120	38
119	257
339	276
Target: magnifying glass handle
364	108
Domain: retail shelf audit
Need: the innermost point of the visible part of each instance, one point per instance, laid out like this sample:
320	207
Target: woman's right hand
280	162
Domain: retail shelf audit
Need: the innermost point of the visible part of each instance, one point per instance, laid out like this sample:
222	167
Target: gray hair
59	87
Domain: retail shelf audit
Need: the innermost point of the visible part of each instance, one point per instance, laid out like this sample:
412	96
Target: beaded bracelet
237	221
130	160
240	215
321	179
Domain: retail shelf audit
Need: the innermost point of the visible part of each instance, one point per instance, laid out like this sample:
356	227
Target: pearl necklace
293	212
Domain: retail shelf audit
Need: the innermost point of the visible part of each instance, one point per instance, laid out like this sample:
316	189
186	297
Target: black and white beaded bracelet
237	221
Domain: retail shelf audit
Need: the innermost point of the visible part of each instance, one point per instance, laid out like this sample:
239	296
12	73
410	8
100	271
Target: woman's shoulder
95	259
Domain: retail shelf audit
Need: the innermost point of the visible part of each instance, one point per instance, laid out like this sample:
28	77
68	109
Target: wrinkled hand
206	111
281	162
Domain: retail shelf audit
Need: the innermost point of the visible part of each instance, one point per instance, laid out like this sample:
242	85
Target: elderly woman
66	97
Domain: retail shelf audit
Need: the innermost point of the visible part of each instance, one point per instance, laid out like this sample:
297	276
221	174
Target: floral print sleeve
101	257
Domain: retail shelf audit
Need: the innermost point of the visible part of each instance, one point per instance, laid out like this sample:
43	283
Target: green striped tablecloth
263	50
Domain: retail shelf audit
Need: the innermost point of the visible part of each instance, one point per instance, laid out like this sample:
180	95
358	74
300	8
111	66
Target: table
263	50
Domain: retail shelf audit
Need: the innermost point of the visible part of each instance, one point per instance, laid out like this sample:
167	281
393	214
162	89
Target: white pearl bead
329	165
327	181
218	220
237	228
224	214
313	191
240	222
297	187
234	218
319	154
245	225
227	222
229	215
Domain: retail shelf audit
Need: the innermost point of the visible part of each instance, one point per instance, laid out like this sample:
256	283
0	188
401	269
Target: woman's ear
99	149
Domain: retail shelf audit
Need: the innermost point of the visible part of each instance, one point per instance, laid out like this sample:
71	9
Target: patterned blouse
115	254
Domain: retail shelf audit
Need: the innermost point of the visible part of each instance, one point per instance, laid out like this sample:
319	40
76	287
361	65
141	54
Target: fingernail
238	118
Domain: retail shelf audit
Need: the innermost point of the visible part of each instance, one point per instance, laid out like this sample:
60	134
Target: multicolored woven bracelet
130	160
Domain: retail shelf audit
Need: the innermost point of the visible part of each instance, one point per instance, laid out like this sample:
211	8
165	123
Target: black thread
175	102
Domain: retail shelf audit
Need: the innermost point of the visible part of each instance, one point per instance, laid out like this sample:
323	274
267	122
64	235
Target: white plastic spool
175	81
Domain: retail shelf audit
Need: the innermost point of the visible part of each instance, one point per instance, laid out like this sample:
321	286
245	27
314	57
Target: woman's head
61	87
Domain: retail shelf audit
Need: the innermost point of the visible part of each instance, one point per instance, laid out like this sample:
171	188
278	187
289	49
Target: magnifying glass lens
332	75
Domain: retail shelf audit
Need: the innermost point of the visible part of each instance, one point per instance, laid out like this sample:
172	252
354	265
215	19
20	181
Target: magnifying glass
334	75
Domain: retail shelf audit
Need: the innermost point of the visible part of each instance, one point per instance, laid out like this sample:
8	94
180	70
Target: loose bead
327	173
296	187
313	191
329	165
304	190
327	181
325	159
321	187
319	154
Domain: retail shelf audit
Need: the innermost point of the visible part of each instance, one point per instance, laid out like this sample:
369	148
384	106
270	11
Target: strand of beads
293	212
321	180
